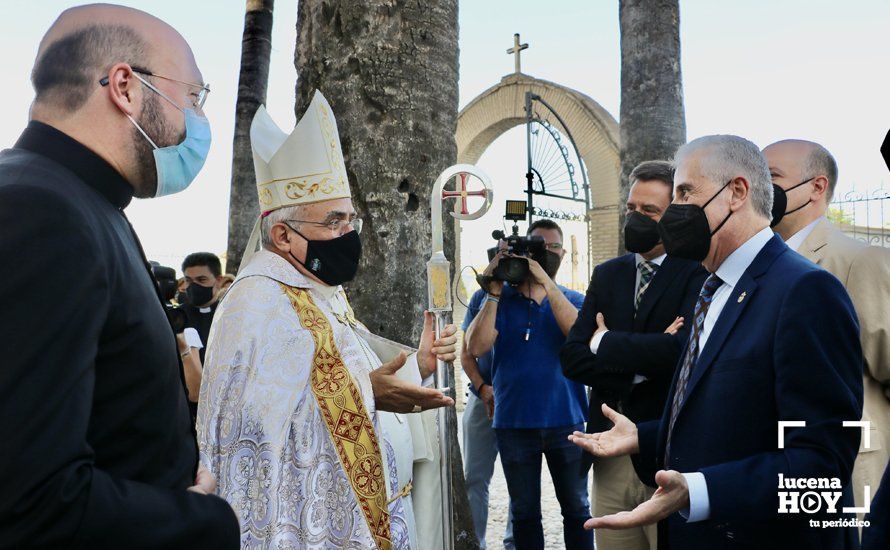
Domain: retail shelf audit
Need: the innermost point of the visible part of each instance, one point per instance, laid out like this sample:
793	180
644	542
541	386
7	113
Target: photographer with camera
187	339
524	322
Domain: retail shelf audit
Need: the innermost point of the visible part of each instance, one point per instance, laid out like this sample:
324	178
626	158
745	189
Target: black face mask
640	233
199	295
685	230
780	202
334	261
182	297
551	263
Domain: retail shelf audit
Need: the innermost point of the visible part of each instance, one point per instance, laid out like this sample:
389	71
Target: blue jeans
480	452
521	451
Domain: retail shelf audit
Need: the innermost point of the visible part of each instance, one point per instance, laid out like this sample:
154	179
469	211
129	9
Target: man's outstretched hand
671	496
619	441
393	394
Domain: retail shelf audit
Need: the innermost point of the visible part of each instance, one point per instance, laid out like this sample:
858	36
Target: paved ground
498	503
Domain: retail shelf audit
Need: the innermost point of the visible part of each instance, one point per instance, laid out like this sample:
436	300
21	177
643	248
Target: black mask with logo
685	230
199	295
640	233
334	261
780	202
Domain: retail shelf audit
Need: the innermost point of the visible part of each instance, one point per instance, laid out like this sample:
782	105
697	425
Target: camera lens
512	270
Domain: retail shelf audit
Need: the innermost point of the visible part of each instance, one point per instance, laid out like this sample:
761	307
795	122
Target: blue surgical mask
178	165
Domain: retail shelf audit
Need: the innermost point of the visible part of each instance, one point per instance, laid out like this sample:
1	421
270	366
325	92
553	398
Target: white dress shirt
795	241
597	338
730	271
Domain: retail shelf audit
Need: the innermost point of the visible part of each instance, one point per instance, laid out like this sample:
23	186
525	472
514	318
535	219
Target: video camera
166	279
511	269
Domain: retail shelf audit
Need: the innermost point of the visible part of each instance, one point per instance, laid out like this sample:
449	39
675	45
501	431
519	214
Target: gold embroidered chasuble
345	417
287	423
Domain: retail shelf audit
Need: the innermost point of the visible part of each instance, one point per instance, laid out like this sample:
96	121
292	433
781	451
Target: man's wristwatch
479	389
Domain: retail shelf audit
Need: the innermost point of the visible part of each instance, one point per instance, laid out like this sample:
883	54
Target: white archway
595	131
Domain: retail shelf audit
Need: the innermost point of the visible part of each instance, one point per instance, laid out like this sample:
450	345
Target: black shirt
98	447
200	319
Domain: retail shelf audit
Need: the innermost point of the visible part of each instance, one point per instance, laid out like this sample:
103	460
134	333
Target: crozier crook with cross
439	292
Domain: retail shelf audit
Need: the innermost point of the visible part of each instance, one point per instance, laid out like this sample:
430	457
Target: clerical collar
92	169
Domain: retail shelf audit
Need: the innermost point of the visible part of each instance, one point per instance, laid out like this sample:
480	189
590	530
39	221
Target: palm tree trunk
653	120
256	46
389	69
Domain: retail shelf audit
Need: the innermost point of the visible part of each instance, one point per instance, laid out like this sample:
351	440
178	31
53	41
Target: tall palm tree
256	46
389	71
653	119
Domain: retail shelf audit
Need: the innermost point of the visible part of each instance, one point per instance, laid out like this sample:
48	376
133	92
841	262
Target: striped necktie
701	310
647	271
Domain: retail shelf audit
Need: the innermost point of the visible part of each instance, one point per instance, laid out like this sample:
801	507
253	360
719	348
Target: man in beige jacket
805	174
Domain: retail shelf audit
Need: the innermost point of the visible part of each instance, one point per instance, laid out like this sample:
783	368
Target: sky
762	69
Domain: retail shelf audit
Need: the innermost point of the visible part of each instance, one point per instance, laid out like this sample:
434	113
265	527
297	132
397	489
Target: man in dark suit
98	446
630	364
772	338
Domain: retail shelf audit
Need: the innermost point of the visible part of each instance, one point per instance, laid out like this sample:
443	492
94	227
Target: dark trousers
521	451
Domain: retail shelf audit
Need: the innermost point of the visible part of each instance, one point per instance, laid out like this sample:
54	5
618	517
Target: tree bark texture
389	69
652	117
256	47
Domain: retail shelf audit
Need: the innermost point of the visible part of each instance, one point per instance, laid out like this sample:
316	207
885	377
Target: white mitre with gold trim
302	167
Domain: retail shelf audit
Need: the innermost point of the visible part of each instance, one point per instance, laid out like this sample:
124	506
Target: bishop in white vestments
291	417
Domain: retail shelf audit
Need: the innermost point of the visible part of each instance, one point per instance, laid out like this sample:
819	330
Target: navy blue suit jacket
785	347
635	343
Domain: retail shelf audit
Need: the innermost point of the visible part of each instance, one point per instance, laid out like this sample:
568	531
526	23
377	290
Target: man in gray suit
805	174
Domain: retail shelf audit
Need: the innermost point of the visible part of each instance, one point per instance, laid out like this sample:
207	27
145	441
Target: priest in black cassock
97	445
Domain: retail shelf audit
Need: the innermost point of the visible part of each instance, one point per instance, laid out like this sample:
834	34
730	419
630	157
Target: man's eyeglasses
336	225
556	247
200	96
